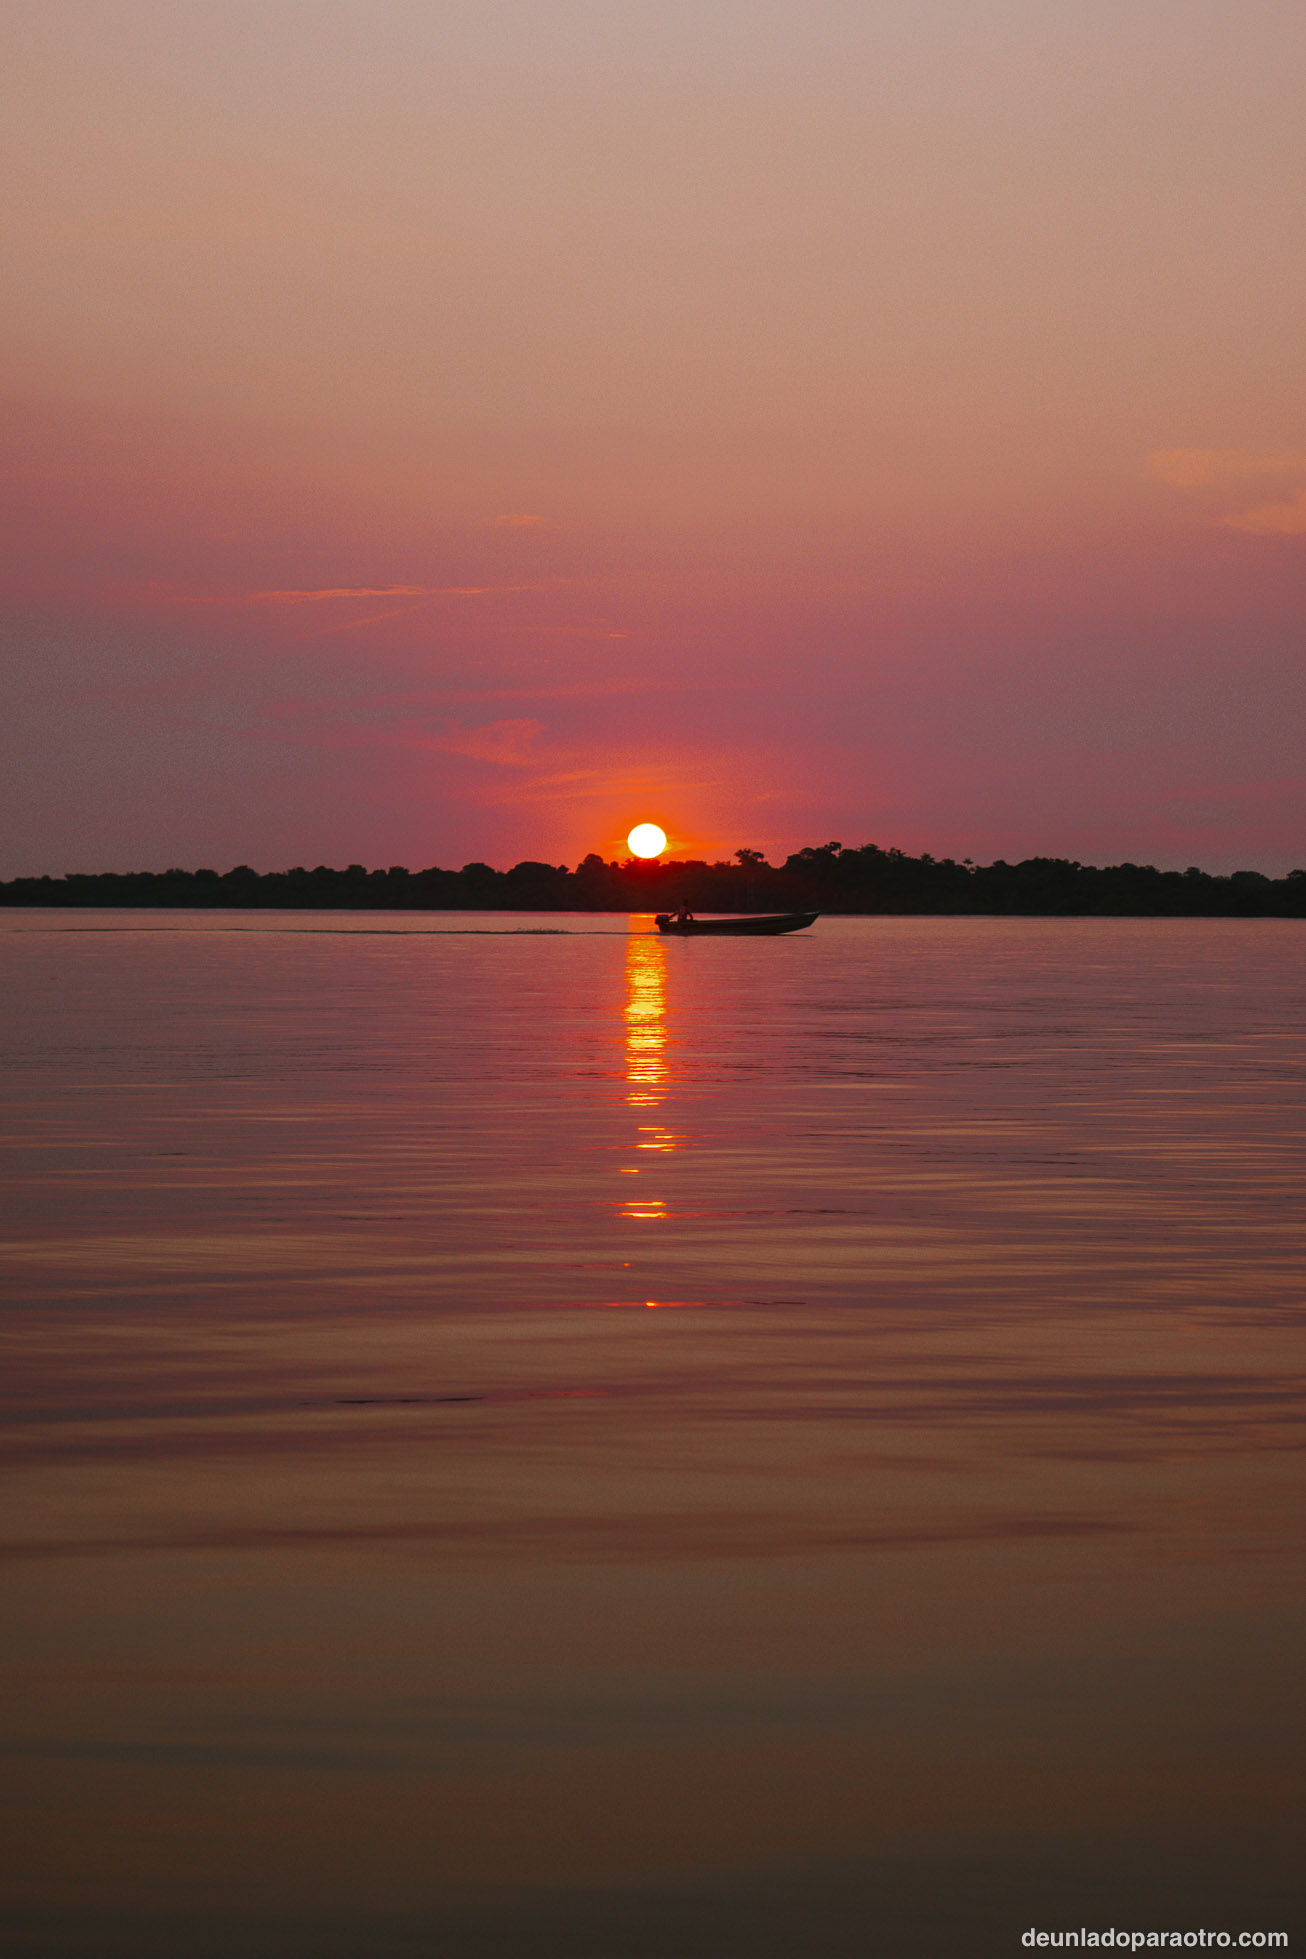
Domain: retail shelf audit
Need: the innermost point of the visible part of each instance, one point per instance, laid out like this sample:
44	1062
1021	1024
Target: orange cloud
509	744
1207	469
542	773
1224	469
356	625
1273	519
585	632
374	592
314	595
519	519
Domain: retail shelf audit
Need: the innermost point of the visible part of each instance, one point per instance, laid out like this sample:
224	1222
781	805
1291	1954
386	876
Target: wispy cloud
536	769
355	625
315	595
1273	519
520	520
1235	470
508	744
597	786
584	690
573	632
346	594
1213	469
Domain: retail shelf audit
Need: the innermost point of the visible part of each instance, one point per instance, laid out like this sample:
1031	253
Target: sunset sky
445	431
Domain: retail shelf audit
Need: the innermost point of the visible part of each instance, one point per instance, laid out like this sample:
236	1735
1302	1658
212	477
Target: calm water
524	1438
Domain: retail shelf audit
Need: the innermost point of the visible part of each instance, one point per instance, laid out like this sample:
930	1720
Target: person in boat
683	915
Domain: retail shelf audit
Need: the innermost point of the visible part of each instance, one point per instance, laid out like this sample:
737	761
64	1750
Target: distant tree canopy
825	877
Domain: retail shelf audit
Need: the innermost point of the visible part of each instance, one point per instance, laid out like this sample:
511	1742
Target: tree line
827	877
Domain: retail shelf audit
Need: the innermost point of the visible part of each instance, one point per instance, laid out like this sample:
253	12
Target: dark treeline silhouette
824	878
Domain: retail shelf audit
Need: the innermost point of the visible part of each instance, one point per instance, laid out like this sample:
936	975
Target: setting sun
646	840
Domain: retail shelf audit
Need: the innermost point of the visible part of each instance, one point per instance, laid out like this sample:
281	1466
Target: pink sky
437	432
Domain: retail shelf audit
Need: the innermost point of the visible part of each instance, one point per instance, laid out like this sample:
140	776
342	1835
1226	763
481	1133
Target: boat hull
753	928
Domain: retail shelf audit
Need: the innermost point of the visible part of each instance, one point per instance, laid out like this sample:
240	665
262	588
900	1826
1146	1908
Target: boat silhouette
764	927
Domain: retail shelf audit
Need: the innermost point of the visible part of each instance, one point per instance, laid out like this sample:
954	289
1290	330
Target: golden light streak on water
646	1015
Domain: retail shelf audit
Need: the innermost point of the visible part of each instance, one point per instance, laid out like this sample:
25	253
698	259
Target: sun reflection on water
647	1081
648	1210
646	1014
